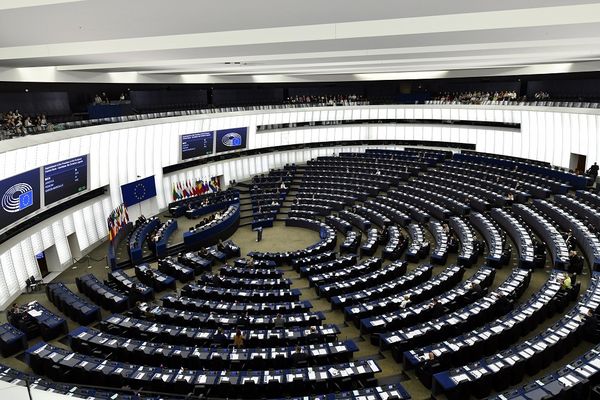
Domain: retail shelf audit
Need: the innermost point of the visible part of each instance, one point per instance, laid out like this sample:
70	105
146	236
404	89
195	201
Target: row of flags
191	188
117	219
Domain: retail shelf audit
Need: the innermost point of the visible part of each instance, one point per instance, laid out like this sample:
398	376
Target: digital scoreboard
65	178
196	144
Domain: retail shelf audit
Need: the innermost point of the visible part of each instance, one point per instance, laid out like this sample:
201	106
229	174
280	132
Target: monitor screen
231	139
65	178
196	144
19	196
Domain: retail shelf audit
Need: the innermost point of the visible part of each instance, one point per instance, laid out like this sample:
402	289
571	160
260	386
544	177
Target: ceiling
191	41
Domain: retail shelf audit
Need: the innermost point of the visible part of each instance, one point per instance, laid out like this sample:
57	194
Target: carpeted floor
281	238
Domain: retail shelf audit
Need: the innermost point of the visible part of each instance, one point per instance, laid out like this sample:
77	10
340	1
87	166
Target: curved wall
119	153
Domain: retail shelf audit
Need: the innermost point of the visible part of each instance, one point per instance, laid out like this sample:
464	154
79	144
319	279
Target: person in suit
299	358
575	262
474	291
13	312
312	336
244	320
278	322
503	302
593	171
219	338
436	308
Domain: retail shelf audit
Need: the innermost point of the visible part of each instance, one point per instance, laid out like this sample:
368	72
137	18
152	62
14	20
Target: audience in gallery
541	96
329	100
14	121
476	97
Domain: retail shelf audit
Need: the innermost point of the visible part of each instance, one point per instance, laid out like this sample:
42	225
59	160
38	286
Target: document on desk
540	346
494	367
460	378
453	347
585	371
374	367
412	334
323	352
393	339
596	363
565	381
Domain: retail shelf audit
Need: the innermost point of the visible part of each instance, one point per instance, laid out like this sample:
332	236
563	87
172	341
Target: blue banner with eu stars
138	191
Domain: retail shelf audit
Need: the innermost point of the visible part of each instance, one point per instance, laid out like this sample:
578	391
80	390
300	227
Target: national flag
211	184
110	228
175	192
126	213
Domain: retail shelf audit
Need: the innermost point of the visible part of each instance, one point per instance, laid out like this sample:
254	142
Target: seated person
570	240
565	283
219	338
312	336
278	322
299	357
405	301
13	311
238	339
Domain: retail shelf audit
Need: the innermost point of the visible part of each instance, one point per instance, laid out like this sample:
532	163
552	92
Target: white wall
121	152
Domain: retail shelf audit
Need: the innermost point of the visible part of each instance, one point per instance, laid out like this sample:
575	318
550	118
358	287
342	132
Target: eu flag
25	200
138	191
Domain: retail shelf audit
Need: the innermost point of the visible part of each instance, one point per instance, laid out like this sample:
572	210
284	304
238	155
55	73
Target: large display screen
231	139
196	144
64	179
19	196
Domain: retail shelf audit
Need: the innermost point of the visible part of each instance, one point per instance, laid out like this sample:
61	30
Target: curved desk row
79	368
210	233
138	236
114	244
195	204
548	232
175	334
120	348
432	287
164	233
417	276
190	304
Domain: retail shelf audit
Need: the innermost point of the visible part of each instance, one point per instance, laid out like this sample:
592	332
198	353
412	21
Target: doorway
42	264
577	163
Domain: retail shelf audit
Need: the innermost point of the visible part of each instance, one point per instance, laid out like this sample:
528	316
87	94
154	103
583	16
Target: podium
259	233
